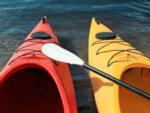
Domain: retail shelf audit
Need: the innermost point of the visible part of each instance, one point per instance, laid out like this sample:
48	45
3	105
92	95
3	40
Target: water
70	20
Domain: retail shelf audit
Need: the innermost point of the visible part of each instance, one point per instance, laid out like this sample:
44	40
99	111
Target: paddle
57	53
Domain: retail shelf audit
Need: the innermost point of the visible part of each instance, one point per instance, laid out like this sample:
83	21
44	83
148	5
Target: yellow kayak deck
118	58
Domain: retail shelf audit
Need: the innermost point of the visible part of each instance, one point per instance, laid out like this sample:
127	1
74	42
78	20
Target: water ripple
143	7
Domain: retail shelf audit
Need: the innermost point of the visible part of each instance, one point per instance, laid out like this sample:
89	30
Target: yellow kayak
109	53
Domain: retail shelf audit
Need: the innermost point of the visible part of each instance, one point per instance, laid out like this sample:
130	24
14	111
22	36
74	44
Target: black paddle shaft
117	81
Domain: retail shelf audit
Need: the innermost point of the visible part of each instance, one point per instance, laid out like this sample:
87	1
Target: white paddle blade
58	53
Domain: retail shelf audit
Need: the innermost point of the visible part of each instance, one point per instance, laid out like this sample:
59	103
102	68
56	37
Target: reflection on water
70	20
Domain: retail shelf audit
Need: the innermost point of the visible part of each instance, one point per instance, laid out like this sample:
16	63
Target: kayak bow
33	83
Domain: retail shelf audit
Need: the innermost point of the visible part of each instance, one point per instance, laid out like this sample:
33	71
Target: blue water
70	20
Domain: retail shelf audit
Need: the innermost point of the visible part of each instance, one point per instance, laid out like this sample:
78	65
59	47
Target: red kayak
33	83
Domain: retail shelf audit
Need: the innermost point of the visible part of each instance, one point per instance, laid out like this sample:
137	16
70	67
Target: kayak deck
111	54
30	84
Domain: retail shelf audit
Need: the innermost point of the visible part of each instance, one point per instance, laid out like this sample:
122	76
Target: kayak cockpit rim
135	65
28	82
137	75
23	66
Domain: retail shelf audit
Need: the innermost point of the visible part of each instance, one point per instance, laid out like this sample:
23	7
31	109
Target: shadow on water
80	77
